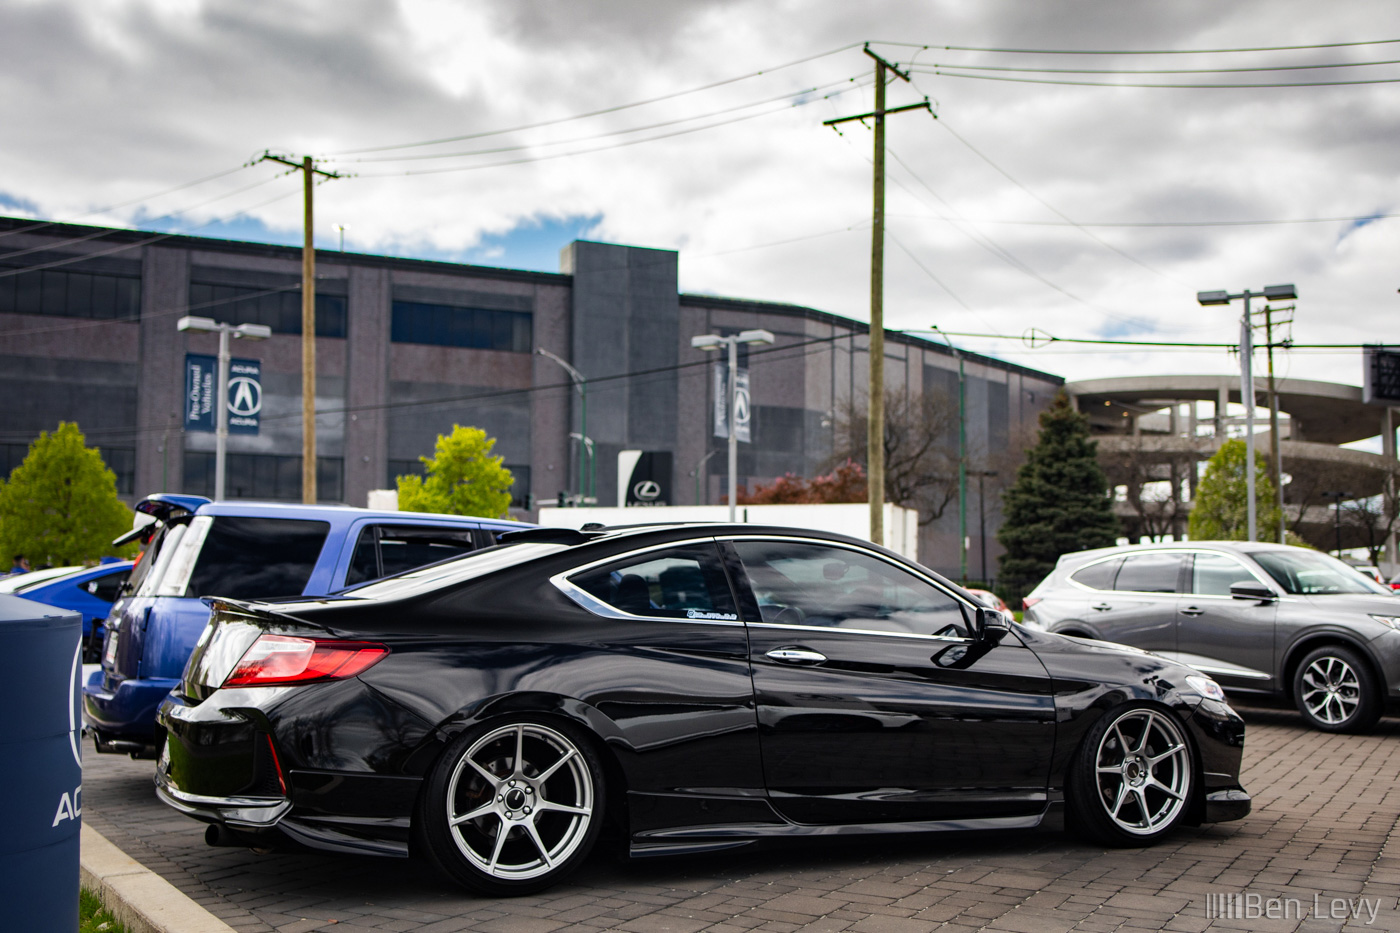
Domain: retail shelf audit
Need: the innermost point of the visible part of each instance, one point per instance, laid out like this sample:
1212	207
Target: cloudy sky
1054	191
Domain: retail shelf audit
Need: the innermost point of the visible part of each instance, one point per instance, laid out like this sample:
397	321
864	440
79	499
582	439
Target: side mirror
991	624
1251	589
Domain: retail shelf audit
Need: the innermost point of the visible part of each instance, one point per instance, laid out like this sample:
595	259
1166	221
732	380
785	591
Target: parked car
89	591
989	599
1268	619
196	548
699	687
11	582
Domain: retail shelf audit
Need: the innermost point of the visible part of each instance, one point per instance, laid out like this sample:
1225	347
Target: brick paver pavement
1324	827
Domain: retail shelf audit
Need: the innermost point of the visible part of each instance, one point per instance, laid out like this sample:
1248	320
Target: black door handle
1101	607
1191	611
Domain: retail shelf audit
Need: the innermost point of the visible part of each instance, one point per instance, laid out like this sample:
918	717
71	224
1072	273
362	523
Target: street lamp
1337	521
715	342
982	519
696	473
585	447
1270	293
206	325
962	460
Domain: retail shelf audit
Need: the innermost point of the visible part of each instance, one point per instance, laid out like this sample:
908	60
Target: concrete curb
137	897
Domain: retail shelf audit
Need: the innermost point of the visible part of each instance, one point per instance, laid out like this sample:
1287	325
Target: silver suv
1259	618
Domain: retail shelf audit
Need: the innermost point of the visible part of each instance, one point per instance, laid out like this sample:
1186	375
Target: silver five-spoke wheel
1331	690
516	808
1132	777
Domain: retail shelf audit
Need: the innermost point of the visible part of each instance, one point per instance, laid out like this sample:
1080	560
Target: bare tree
921	448
1153	484
1374	518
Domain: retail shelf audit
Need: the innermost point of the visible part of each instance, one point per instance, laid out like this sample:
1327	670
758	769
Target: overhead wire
923	67
605	110
1218	51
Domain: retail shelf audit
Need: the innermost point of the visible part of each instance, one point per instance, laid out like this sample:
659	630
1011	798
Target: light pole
709	342
585	447
1337	497
962	460
696	473
982	519
205	325
1270	293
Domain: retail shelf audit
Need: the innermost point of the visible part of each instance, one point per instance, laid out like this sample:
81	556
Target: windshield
1309	573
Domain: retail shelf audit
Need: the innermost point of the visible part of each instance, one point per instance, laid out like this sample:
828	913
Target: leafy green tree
463	478
1220	512
60	505
1059	503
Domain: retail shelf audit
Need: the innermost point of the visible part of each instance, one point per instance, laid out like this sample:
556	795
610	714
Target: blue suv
243	550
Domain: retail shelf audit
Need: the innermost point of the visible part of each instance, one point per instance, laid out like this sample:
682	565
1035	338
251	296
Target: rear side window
1149	573
1098	576
256	558
108	588
686	582
384	550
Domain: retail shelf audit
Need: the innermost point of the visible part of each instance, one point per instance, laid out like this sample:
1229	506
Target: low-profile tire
514	805
1335	690
1131	779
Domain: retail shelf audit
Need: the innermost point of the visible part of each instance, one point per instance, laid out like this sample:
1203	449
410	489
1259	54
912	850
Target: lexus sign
643	477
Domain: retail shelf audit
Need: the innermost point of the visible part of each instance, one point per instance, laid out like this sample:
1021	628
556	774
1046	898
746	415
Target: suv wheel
1335	690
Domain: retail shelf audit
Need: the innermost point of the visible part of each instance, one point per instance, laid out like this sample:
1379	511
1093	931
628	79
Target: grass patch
92	918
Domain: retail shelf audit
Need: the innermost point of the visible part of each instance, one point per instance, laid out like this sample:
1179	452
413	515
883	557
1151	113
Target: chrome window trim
1191	552
941	639
597	607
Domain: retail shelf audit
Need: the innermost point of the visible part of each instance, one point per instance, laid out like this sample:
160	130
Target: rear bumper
126	711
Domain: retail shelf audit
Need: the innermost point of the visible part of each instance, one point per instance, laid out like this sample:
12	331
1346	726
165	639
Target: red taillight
286	659
1030	601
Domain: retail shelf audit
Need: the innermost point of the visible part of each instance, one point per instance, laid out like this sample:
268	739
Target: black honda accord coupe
684	688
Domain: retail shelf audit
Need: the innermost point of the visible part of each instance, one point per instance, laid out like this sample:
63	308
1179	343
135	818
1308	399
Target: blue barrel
41	781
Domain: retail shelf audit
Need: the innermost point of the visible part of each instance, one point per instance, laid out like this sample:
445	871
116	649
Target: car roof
337	513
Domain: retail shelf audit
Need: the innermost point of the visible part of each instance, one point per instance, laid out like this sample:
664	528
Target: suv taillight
286	659
1030	601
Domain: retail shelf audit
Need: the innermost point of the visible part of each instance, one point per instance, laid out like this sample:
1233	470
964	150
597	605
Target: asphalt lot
1322	844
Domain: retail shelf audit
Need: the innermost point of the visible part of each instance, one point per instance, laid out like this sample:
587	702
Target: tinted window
252	558
452	326
277	307
108	588
1301	571
673	584
1098	576
813	584
1212	574
383	550
1149	573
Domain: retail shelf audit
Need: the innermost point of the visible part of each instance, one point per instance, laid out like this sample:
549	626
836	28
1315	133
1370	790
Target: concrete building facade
407	348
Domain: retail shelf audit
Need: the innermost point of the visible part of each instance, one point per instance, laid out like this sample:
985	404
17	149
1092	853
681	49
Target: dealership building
407	348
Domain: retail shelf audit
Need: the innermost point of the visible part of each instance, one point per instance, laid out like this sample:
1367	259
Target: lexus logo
245	396
647	490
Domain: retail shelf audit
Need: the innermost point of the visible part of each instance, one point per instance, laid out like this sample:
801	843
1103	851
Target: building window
61	293
450	326
519	488
278	308
121	461
263	476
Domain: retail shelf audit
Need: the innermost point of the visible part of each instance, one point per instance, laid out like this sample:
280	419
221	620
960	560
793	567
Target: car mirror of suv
1250	589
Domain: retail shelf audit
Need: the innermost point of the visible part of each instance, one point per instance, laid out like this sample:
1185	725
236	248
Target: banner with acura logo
643	477
244	394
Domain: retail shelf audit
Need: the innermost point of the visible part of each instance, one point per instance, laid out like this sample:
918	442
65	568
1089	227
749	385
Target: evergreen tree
1220	512
60	505
463	478
1059	503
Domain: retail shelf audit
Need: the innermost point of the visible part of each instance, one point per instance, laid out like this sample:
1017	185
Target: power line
610	133
618	145
1222	51
596	113
118	206
1189	223
928	66
1131	84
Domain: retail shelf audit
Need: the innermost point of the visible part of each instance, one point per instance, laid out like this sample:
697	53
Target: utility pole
875	434
1273	417
308	321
